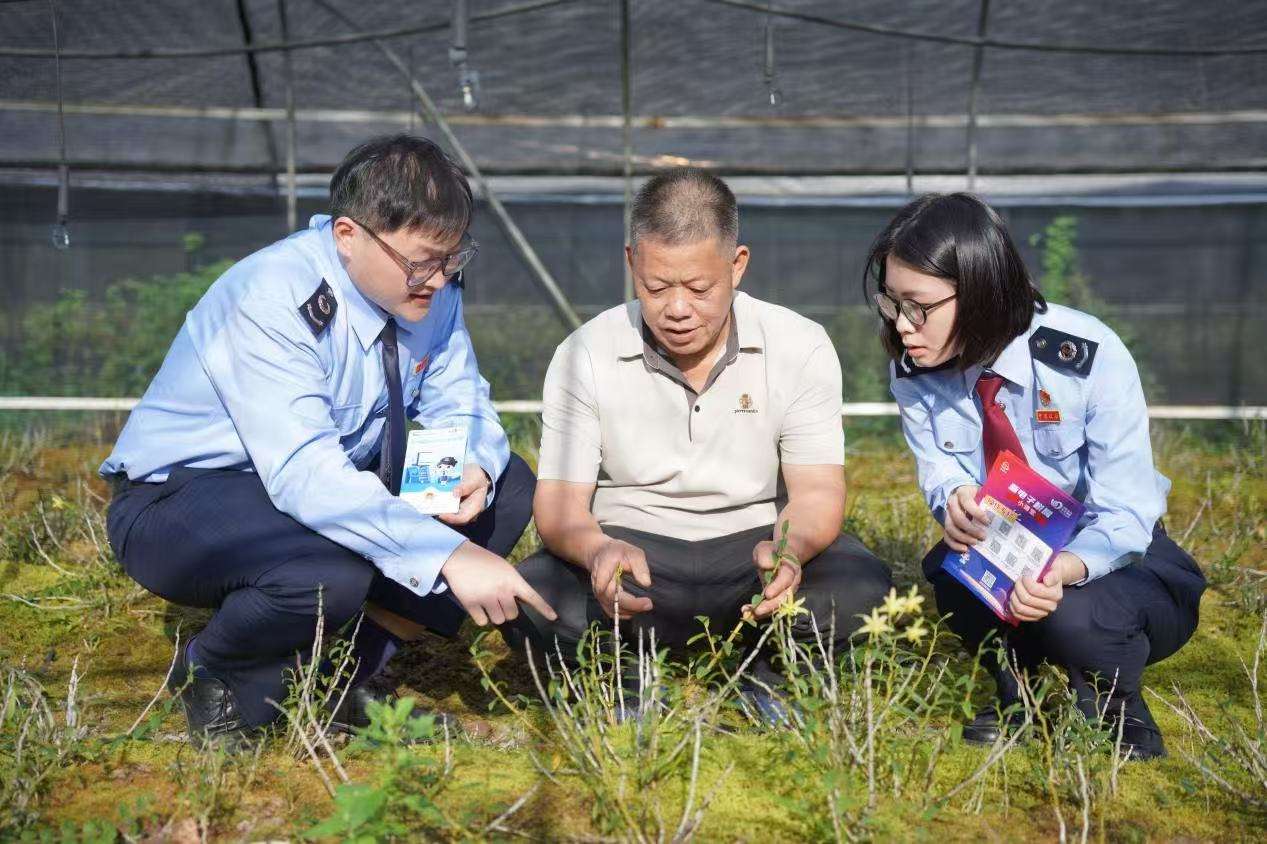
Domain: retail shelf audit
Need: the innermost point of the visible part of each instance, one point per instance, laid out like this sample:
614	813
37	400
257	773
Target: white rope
851	409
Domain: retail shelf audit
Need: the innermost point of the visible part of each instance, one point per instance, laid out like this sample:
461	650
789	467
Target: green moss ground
123	643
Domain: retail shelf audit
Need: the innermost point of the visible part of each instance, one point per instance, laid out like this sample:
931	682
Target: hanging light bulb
773	91
468	79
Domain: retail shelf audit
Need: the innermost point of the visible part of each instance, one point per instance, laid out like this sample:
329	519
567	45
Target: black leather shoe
353	712
1141	742
986	727
1141	737
211	710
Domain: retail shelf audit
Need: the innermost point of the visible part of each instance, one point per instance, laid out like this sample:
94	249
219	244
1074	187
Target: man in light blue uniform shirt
982	365
259	473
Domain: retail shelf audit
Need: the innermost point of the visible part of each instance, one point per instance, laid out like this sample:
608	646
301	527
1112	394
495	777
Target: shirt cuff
492	461
492	483
941	493
1097	554
427	549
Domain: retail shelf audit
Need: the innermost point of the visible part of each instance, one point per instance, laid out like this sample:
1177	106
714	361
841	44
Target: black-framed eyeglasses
418	272
915	313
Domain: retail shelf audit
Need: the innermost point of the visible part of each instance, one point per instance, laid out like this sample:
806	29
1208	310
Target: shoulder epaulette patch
1063	351
906	368
319	310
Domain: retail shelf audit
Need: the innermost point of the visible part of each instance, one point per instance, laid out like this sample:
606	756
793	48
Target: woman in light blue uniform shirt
981	363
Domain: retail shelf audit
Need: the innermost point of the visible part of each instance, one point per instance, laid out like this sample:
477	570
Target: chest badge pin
1047	413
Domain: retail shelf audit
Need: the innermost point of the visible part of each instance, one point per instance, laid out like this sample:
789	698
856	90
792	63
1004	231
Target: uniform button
948	444
697	408
413	581
999	404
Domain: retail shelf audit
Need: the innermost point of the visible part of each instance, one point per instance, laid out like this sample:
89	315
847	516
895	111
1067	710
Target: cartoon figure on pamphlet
433	469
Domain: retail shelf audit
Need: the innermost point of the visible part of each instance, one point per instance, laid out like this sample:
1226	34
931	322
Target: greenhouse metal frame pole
626	104
253	76
432	113
978	57
292	202
908	55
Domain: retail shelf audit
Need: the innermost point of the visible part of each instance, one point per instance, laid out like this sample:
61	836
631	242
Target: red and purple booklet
1033	520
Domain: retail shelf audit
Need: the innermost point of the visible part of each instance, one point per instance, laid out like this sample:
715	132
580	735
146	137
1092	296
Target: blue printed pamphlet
1033	520
434	458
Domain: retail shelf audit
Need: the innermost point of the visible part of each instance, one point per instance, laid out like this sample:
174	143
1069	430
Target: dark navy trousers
1103	633
212	538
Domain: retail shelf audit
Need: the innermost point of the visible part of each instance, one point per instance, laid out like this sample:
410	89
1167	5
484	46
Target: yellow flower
913	601
791	608
894	607
60	503
874	624
916	632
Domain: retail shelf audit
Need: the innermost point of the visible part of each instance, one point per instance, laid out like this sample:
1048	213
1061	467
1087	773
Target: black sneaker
211	710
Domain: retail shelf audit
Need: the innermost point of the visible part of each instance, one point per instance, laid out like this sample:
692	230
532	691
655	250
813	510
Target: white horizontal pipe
689	122
1162	411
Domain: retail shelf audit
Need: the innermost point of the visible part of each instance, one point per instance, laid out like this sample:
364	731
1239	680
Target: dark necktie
997	433
391	457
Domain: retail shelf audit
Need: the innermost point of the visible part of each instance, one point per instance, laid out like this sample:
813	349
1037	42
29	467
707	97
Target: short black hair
959	238
395	182
684	205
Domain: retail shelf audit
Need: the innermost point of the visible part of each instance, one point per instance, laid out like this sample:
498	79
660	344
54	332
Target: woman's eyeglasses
915	313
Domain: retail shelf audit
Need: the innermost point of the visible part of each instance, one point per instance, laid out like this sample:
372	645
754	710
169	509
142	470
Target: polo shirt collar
366	318
750	337
630	343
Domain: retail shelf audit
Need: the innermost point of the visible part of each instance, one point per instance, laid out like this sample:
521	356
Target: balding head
684	206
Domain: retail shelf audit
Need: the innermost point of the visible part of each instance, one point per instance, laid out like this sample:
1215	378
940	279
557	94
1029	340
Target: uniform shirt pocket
1058	442
954	435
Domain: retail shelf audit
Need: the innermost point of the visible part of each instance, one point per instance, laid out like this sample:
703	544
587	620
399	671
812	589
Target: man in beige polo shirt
677	429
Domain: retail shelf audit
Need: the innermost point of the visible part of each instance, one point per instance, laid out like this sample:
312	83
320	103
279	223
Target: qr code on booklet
1009	545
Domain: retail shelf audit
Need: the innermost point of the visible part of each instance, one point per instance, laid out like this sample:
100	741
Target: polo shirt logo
745	404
